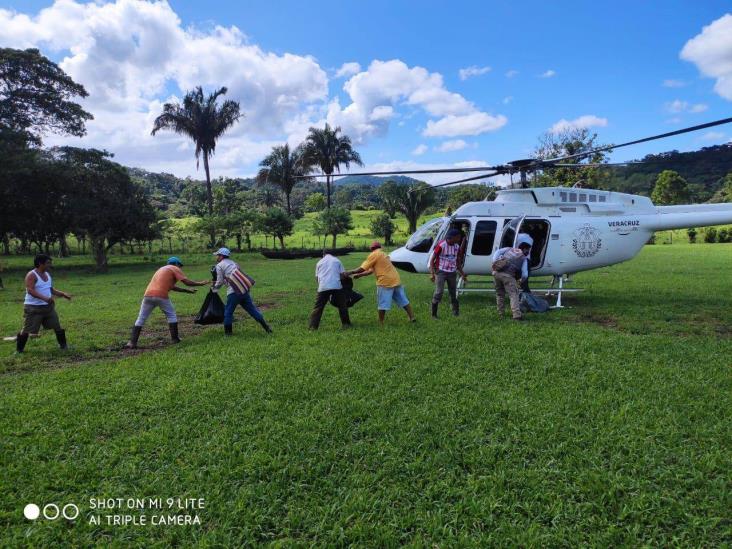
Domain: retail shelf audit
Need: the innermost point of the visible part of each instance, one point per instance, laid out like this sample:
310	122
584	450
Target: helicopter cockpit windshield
421	241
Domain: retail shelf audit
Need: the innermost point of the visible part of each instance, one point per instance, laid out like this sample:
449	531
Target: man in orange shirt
388	284
156	295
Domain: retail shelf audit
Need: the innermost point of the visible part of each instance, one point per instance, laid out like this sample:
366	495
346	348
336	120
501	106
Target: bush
724	236
710	235
692	235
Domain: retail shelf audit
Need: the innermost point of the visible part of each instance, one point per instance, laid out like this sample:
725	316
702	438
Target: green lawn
605	424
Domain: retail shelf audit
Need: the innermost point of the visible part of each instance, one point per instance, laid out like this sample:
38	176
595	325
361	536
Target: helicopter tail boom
698	215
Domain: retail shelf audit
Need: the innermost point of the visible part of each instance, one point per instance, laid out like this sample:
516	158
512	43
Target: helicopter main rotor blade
644	140
406	172
592	165
474	178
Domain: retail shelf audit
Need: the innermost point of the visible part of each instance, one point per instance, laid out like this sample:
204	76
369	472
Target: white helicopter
573	229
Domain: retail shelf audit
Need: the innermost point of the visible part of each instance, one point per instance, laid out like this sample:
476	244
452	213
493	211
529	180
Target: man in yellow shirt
388	284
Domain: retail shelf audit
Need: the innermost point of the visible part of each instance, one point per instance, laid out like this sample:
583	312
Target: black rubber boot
434	309
266	326
456	309
134	337
173	327
61	338
228	330
20	342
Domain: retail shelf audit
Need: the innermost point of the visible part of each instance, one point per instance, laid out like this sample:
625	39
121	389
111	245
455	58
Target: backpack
240	282
529	303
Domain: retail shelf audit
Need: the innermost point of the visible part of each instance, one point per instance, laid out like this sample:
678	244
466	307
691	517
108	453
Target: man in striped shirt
444	268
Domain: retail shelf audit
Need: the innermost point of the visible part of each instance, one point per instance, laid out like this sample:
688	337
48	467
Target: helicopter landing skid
482	286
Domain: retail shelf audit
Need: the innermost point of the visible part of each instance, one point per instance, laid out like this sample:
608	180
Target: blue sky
603	64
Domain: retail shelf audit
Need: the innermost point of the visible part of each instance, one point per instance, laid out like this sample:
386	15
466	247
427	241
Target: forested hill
702	169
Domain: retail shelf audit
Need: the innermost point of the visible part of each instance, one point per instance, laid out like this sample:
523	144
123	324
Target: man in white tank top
39	308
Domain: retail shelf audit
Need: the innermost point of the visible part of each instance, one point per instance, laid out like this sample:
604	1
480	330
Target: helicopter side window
583	197
602	198
573	197
421	241
593	198
485	234
563	196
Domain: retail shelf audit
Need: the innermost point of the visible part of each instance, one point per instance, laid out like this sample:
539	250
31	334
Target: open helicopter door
510	232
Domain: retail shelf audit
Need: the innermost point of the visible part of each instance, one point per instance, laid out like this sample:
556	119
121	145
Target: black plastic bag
352	297
212	310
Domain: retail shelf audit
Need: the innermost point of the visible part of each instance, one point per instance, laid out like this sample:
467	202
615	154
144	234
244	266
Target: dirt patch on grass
606	321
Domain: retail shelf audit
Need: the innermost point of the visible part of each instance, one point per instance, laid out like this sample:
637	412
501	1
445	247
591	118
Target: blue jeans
245	300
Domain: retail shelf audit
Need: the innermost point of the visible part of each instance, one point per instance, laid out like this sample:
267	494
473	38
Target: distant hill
373	180
702	169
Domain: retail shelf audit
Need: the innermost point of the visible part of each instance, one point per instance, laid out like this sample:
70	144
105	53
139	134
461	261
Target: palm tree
328	150
284	168
201	119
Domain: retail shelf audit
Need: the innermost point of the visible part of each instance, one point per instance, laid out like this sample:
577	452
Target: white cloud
130	54
548	74
678	106
670	83
387	84
711	52
507	99
419	150
511	73
712	136
348	69
451	146
586	121
469	124
472	71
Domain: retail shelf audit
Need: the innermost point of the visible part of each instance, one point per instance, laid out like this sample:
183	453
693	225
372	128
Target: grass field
605	424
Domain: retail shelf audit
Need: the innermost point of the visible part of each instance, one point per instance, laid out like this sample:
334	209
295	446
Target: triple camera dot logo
51	511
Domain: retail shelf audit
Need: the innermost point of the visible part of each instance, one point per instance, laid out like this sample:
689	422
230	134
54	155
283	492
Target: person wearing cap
509	265
39	306
524	238
444	268
225	267
328	273
156	295
388	284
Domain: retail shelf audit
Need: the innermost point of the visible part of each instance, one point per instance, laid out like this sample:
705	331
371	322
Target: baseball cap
175	261
223	251
375	244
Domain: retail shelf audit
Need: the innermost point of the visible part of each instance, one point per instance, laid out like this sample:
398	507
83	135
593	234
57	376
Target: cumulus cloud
548	74
419	150
670	83
711	52
451	146
469	124
678	106
348	69
377	91
472	71
131	54
586	121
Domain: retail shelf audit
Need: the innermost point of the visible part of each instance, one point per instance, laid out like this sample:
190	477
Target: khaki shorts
35	316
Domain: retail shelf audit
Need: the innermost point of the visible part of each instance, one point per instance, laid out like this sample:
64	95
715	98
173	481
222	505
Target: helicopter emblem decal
586	241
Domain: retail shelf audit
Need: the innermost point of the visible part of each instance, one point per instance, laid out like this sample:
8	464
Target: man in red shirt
156	295
444	268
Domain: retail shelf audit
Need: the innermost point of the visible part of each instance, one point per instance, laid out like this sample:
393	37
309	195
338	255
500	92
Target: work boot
134	337
173	327
266	326
228	331
434	309
456	309
61	338
20	342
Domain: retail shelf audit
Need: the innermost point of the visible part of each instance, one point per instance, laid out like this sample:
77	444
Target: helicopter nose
402	259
